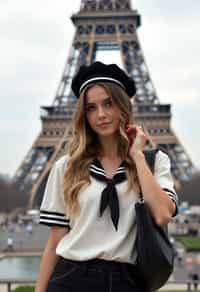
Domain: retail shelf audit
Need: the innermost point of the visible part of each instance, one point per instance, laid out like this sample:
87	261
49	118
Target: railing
187	286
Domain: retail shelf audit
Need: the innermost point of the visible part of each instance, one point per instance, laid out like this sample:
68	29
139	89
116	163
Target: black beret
99	71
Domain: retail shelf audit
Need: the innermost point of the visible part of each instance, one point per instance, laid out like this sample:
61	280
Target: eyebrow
106	99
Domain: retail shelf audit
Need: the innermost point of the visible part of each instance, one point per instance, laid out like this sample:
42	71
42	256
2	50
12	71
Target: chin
107	133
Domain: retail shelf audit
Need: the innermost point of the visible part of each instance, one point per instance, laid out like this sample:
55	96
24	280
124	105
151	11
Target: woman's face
102	114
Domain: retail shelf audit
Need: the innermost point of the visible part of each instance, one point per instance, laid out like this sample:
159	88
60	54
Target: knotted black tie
109	196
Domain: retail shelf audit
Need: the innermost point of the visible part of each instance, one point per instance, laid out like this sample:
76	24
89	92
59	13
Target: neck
109	147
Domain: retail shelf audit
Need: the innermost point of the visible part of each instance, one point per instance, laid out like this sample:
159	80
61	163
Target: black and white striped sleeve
162	173
53	207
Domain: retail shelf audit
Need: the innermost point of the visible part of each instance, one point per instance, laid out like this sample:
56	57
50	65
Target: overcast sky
35	40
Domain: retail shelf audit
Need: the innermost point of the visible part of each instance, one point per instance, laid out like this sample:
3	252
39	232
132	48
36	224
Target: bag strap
150	156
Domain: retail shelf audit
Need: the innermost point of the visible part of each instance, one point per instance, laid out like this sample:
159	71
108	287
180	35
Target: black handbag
155	253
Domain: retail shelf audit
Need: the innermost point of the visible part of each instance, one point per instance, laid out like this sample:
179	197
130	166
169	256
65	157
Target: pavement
24	241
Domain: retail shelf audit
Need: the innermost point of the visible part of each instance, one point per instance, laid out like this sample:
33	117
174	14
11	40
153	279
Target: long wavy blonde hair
84	147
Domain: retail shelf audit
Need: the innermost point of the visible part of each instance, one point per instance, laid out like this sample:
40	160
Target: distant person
195	278
179	259
10	243
29	229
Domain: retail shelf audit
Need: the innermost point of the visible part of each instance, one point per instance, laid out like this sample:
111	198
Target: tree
11	196
190	191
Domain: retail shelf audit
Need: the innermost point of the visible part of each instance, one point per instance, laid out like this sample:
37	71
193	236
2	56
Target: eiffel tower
101	26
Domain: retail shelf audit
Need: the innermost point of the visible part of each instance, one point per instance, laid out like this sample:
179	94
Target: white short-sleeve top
90	235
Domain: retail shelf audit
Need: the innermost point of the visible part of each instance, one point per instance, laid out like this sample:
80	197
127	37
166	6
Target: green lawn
24	289
191	243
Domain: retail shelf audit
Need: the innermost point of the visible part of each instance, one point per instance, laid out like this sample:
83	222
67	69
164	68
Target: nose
101	112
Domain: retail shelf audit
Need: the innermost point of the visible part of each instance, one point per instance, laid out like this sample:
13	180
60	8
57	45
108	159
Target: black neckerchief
109	194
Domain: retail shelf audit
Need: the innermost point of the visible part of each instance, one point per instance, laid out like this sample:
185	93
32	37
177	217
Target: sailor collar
109	196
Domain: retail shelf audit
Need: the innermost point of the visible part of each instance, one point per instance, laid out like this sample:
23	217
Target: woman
91	192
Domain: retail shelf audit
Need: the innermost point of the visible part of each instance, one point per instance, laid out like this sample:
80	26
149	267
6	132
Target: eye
108	103
90	108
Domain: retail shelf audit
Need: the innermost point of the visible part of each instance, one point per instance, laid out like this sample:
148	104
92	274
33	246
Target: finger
130	126
131	129
140	128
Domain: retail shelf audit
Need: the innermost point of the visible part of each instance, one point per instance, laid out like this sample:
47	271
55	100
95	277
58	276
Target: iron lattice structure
101	25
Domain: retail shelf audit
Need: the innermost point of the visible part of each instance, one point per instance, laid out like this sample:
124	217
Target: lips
104	124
